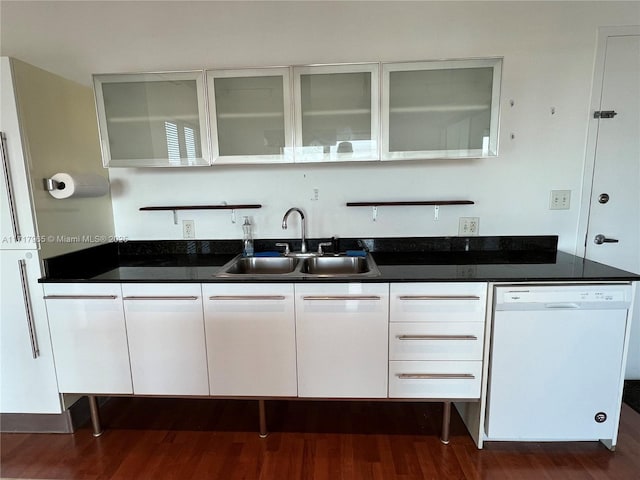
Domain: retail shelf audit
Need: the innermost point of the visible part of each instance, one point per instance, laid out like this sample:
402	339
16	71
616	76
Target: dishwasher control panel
562	296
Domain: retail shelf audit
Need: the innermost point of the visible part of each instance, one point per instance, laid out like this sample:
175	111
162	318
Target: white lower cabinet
342	335
89	337
165	327
27	372
314	340
436	340
251	339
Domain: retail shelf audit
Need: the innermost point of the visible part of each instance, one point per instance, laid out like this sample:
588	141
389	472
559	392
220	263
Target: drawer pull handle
436	376
439	297
142	297
436	337
247	297
341	297
80	297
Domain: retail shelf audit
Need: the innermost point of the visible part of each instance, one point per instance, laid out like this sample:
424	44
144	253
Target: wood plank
202	207
217	439
410	203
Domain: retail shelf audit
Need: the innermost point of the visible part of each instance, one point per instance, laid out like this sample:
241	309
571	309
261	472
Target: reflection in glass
153	120
250	115
440	109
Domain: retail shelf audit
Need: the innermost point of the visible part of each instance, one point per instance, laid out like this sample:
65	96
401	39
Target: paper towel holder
50	184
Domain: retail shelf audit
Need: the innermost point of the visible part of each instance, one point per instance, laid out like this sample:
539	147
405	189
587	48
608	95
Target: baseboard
65	422
36	422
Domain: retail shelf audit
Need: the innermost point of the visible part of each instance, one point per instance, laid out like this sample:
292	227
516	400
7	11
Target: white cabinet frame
102	79
302	156
492	147
287	155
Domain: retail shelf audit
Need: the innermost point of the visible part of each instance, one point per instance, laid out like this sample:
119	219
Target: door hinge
604	114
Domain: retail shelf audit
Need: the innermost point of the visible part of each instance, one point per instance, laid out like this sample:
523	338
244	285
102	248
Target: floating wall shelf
175	209
435	203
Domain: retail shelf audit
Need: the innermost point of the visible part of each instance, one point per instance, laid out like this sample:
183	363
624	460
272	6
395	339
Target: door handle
600	239
13	213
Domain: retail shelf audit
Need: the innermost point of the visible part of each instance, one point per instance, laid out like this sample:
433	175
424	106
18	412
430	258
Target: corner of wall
60	134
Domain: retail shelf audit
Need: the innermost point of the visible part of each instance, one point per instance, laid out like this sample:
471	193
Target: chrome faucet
303	247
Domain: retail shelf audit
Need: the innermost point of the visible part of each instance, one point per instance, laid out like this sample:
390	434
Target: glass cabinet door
337	112
152	119
440	109
250	115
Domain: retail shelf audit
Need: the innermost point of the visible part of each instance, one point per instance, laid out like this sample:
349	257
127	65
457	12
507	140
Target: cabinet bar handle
35	348
4	153
435	376
341	297
436	337
80	297
439	297
162	297
247	297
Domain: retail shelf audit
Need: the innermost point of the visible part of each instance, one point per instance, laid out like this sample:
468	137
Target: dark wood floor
216	439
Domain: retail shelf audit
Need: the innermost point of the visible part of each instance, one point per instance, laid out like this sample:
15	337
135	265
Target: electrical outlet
468	226
560	200
188	229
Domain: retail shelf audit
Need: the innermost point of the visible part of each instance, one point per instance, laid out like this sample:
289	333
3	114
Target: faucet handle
323	244
287	250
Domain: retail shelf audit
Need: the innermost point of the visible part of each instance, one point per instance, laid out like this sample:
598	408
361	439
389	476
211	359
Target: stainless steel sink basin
261	266
335	265
321	266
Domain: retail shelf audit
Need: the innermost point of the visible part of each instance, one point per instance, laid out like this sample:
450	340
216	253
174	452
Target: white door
27	373
342	335
17	228
613	233
165	331
251	339
89	337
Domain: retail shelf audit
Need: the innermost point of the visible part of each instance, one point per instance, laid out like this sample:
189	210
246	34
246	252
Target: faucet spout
303	247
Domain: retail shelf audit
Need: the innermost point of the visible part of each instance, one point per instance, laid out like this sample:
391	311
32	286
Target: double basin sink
321	266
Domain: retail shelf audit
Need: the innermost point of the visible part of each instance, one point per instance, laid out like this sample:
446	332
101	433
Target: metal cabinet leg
446	420
263	419
95	416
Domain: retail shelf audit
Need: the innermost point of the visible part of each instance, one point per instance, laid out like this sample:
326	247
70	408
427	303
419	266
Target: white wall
548	50
56	119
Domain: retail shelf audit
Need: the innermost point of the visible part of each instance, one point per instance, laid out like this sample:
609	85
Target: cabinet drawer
436	341
433	302
427	379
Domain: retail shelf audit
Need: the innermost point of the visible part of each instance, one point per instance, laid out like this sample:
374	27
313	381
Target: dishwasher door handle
561	306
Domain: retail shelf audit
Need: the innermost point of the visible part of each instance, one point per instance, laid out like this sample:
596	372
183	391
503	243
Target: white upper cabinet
440	109
152	119
250	115
311	113
336	112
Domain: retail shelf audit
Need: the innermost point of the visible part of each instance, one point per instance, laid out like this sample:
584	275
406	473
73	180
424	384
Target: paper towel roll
78	186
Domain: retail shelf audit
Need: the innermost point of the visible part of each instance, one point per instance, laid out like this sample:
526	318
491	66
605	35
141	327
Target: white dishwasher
556	368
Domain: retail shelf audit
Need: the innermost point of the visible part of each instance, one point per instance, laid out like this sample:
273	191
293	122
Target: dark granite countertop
408	259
